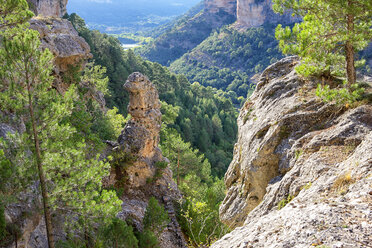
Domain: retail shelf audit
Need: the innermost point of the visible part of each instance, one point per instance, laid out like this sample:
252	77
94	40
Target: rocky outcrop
137	157
302	169
140	137
60	37
51	8
214	6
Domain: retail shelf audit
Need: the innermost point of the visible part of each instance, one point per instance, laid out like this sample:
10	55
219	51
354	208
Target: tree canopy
329	37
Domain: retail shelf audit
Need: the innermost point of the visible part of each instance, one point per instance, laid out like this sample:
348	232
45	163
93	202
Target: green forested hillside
206	119
158	31
184	36
229	58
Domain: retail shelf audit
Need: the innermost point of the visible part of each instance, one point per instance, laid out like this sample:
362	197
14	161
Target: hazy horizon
128	15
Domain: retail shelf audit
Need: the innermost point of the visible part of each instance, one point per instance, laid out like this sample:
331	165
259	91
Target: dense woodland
183	35
229	58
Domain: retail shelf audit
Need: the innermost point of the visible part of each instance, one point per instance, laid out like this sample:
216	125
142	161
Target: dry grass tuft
342	183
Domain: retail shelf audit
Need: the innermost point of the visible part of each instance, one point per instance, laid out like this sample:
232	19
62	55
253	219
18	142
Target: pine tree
155	217
119	235
13	12
70	177
330	35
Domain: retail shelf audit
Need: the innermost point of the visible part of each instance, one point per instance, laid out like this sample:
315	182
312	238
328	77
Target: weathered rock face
292	145
250	13
60	37
51	8
254	13
138	143
214	6
140	138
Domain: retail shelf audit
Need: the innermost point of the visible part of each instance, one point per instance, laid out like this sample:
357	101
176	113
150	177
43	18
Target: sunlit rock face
51	8
140	137
60	37
250	13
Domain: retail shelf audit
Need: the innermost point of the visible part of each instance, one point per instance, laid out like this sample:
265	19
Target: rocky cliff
302	169
137	162
51	8
60	37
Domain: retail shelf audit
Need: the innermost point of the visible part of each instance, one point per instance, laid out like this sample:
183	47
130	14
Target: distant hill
181	36
119	16
228	59
223	46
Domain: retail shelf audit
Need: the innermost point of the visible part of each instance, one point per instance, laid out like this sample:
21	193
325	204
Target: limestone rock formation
137	156
60	37
140	137
51	8
302	169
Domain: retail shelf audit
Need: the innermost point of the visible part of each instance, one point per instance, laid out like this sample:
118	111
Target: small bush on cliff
156	218
2	223
340	96
285	201
147	239
119	235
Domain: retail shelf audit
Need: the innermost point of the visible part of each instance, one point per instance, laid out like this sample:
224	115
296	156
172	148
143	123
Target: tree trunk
44	193
349	49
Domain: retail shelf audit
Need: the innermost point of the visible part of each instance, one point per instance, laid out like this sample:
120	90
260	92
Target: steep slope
188	33
254	13
301	173
229	58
